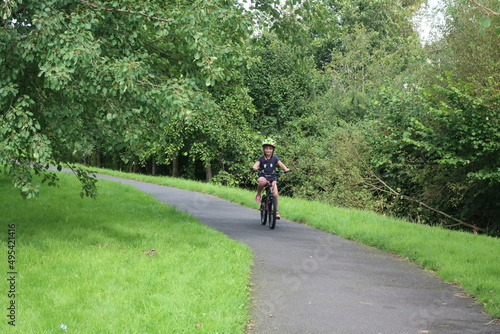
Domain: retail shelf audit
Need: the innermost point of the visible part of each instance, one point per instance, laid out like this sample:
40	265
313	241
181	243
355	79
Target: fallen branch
376	181
388	189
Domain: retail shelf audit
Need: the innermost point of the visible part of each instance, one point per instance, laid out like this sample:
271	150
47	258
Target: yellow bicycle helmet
269	142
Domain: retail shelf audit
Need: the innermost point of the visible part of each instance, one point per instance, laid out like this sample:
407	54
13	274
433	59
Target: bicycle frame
268	206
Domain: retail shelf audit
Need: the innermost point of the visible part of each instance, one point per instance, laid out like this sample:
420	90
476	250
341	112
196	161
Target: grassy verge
117	264
468	260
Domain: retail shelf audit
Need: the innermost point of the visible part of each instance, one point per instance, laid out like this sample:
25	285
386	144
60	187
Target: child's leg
275	193
262	183
260	186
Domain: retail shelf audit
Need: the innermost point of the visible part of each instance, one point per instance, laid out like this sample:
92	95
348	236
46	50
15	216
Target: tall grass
123	263
467	260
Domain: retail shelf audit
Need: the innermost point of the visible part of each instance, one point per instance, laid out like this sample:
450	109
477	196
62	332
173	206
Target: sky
424	22
428	18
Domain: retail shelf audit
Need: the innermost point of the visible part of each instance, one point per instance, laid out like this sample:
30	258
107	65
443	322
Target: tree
219	138
281	81
491	20
463	49
82	76
441	146
433	142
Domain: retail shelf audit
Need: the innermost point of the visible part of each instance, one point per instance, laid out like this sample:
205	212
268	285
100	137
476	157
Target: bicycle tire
272	212
263	212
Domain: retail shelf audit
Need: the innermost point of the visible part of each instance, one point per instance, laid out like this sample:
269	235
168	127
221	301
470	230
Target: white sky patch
247	3
428	19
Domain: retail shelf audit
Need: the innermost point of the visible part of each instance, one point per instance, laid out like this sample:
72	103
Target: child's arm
256	165
282	166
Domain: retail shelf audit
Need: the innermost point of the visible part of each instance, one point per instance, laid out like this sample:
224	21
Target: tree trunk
153	166
99	159
131	168
208	171
175	167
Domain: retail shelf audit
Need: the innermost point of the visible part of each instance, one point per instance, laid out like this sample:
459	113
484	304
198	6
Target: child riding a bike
267	164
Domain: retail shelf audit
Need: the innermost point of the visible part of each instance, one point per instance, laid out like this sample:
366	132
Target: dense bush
441	146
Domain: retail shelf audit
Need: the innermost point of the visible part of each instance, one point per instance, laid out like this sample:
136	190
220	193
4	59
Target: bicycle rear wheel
272	212
263	212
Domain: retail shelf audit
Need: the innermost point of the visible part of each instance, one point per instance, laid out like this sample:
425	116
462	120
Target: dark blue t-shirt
269	166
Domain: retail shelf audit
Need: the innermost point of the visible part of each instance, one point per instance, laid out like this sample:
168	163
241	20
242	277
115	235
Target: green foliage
388	18
490	22
108	75
358	70
437	140
217	136
464	49
357	55
442	146
327	162
147	84
280	82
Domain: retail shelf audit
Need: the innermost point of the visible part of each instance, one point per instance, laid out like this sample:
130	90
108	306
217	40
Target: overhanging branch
125	11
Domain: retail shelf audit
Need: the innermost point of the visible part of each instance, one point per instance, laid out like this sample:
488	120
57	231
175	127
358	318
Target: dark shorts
270	178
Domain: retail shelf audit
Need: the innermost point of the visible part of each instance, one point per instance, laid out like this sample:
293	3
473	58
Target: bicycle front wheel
272	212
263	212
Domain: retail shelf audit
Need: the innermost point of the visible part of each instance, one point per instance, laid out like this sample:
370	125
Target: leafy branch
87	178
491	11
487	21
125	11
8	11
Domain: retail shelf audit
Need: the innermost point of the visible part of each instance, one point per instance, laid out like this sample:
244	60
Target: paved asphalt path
308	281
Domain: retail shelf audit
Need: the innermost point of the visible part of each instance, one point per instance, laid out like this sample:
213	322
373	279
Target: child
268	163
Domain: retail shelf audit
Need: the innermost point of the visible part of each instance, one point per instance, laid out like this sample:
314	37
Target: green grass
86	265
467	260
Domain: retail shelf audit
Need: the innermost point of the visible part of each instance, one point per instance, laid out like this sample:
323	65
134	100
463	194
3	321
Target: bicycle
268	201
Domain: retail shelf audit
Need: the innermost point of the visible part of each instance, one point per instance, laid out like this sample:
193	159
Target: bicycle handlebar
261	171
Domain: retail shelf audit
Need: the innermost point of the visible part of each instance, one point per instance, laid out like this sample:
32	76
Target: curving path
308	281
